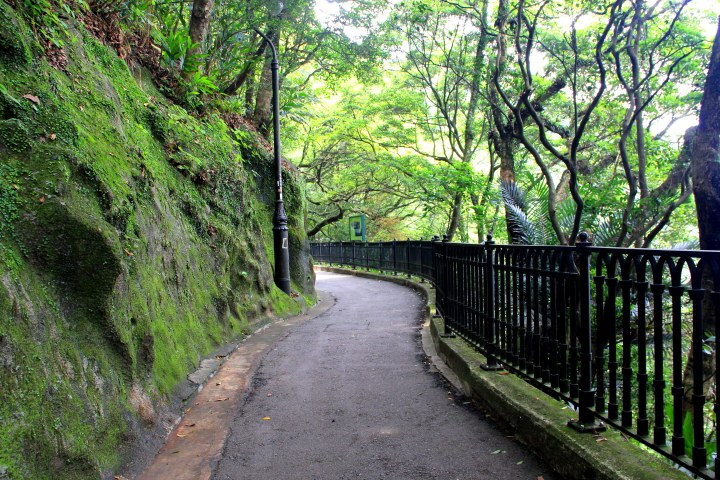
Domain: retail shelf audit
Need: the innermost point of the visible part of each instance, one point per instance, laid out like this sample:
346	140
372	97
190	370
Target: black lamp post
280	230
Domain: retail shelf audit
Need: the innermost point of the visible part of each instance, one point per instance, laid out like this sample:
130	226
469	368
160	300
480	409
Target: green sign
357	227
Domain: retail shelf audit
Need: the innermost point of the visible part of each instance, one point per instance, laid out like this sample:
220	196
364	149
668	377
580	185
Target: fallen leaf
179	435
519	463
189	424
221	399
495	452
269	394
16	187
32	98
541	478
81	107
111	154
42	199
53	136
218	383
129	253
421	393
188	409
602	439
266	418
503	373
176	451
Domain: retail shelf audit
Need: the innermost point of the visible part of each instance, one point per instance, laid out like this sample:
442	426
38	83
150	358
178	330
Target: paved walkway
348	395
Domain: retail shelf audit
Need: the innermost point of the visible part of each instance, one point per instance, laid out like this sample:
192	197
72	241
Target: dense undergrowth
134	239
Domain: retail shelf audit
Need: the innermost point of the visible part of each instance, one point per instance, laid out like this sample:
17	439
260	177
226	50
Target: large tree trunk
705	164
706	156
502	137
199	23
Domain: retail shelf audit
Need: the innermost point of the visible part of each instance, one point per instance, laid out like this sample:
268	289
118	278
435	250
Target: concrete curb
533	417
192	449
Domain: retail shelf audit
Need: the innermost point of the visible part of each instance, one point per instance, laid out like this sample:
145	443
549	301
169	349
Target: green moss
13	47
157	123
14	135
133	241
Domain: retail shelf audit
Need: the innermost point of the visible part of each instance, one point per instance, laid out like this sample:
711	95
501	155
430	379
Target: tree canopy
530	120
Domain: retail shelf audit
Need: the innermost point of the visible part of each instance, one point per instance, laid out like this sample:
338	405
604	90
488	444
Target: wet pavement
349	394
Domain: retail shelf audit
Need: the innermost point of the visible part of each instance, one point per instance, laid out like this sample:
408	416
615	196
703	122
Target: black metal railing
411	257
609	330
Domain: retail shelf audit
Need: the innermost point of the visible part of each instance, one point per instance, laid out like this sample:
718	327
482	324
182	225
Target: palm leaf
520	229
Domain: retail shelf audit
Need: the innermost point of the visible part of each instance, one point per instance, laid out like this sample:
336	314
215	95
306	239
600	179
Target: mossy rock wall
134	239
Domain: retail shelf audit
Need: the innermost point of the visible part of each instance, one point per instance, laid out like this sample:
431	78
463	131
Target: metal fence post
586	422
422	262
447	281
394	255
436	275
699	452
367	256
353	254
490	341
407	257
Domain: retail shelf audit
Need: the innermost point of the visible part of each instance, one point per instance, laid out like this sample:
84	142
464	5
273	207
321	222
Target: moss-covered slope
134	239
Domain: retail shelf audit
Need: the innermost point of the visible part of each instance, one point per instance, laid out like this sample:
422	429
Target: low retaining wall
534	418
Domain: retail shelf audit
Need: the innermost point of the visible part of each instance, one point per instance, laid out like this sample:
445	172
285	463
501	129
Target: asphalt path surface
349	394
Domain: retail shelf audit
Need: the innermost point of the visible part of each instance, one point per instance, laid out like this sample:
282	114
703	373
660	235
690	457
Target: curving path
348	395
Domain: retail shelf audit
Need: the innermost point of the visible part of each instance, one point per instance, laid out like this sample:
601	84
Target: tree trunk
327	221
502	137
250	93
246	74
705	165
199	23
263	100
262	114
455	215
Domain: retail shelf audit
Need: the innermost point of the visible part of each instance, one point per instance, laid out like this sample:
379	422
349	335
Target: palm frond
605	230
565	213
520	229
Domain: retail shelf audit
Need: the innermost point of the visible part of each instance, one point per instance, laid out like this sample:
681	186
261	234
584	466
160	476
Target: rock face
134	239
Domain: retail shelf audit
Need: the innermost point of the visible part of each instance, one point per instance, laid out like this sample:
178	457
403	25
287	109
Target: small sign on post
357	228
